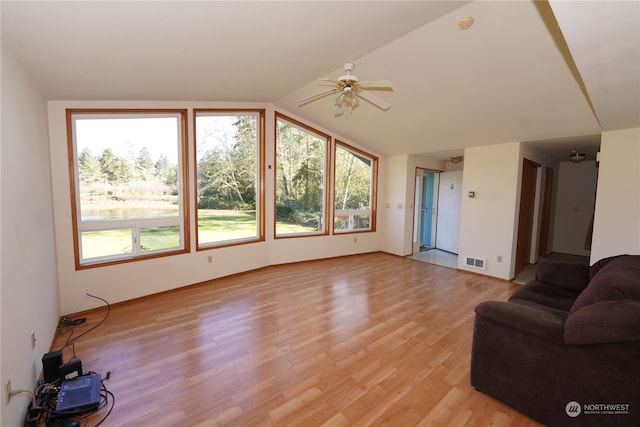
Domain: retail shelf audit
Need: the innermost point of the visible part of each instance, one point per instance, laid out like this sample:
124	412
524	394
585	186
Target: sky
126	136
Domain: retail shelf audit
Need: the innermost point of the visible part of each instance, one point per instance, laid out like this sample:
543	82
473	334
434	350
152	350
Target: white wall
488	221
126	281
393	186
398	180
29	296
575	206
617	217
488	224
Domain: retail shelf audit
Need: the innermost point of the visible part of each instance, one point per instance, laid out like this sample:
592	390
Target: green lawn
217	225
213	226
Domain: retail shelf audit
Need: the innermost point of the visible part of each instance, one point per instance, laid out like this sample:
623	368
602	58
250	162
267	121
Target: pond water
125	213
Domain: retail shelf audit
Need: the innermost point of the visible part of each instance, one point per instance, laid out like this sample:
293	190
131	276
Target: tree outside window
354	184
301	164
229	171
127	188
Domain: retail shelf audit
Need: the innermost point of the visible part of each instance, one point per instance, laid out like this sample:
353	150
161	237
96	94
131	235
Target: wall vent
476	262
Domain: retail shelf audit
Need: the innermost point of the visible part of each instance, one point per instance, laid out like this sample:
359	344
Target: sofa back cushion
564	274
608	310
593	270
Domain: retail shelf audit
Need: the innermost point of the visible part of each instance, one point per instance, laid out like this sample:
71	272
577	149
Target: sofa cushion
564	274
593	270
545	294
540	320
608	310
604	322
619	280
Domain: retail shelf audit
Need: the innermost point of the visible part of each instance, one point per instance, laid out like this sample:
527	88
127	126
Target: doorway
438	197
427	183
543	249
526	214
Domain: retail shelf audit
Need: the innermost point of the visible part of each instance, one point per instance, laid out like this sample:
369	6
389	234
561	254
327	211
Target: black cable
71	342
106	395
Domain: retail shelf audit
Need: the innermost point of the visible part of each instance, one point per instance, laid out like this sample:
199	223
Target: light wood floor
362	340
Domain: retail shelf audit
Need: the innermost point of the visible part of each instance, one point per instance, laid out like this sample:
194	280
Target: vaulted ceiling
553	73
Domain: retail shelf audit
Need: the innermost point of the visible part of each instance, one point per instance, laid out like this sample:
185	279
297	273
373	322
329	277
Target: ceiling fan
349	90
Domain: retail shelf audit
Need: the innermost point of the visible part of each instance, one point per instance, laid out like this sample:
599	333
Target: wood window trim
374	185
261	176
328	217
74	197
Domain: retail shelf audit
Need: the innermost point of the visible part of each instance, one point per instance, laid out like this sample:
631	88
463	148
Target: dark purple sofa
565	348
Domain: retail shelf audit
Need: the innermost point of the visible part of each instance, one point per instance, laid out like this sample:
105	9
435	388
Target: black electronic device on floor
70	370
50	363
79	395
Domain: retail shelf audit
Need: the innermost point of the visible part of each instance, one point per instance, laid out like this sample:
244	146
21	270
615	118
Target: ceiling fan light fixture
350	90
576	157
353	100
346	102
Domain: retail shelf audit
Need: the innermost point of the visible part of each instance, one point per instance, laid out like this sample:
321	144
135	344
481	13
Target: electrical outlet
210	259
86	293
33	339
7	389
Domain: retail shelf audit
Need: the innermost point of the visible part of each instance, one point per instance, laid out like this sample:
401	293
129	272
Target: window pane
300	179
128	183
155	238
106	243
227	147
354	178
127	166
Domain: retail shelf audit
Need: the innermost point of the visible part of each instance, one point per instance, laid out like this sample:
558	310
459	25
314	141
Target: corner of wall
616	228
29	302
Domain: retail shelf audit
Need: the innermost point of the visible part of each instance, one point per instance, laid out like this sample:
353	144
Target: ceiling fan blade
377	84
378	102
318	95
328	82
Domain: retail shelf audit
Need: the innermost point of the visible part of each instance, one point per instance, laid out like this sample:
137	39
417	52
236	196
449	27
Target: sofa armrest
545	322
564	274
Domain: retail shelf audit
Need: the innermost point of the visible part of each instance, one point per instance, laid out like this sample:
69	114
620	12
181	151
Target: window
355	189
229	174
301	179
128	184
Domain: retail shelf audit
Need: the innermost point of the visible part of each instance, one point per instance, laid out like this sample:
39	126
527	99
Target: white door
449	204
